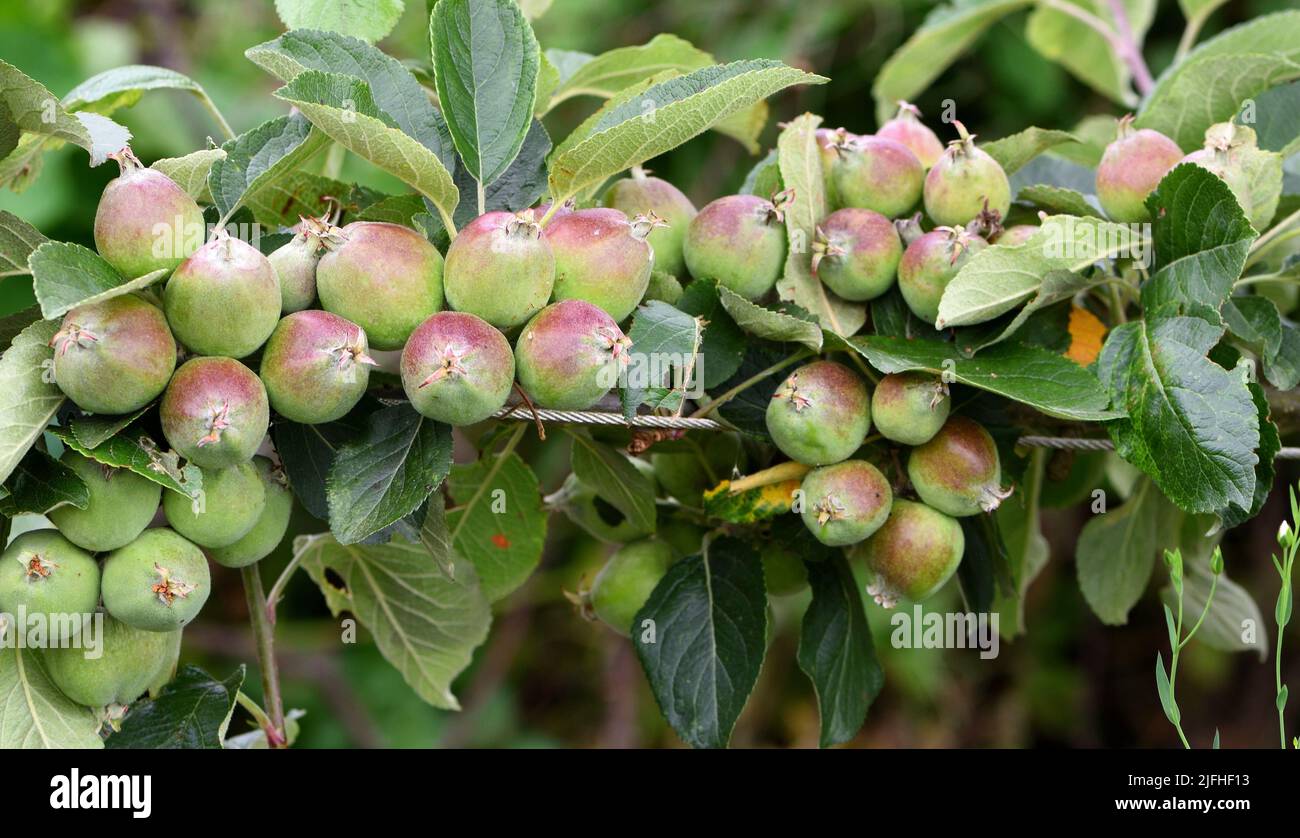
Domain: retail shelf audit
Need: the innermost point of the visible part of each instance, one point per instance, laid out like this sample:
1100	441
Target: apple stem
264	636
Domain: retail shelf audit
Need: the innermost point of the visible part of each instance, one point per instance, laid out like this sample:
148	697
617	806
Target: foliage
417	541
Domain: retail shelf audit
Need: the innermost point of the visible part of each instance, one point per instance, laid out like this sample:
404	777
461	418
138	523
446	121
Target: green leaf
485	59
517	188
106	136
368	20
433	534
11	325
33	108
1191	425
1056	287
256	158
1270	443
308	453
664	116
1276	119
122	87
1117	551
425	623
1201	242
283	200
1255	323
398	209
801	171
41	483
10	133
1264	175
395	90
1084	51
48	124
764	179
1163	690
565	62
948	31
33	713
29	397
747	410
386	474
705	643
1045	381
1057	200
23	165
836	651
141	455
606	74
191	712
1214	79
1284	369
1001	277
891	317
769	324
1019	522
983	561
17	241
1171	625
498	524
723	346
66	275
191	171
344	108
663	355
1013	152
611	475
94	431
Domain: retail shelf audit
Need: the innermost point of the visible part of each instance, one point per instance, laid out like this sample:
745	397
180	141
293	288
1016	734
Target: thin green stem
211	107
749	382
1214	584
1277	676
277	590
1276	276
1273	238
254	709
1193	28
556	203
865	370
264	636
1117	304
482	198
1173	671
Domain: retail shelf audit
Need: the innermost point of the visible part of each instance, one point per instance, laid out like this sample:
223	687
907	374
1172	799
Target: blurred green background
547	677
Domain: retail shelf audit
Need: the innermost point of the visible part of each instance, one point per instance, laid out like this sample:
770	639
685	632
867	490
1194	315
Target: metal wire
521	413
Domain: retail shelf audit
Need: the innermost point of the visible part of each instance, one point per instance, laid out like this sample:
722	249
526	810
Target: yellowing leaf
746	507
1086	335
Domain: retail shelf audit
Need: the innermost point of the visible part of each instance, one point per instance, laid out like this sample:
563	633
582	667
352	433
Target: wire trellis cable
521	413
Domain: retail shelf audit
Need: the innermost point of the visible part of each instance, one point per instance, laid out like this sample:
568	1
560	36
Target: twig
264	635
1129	51
541	430
749	382
1121	41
